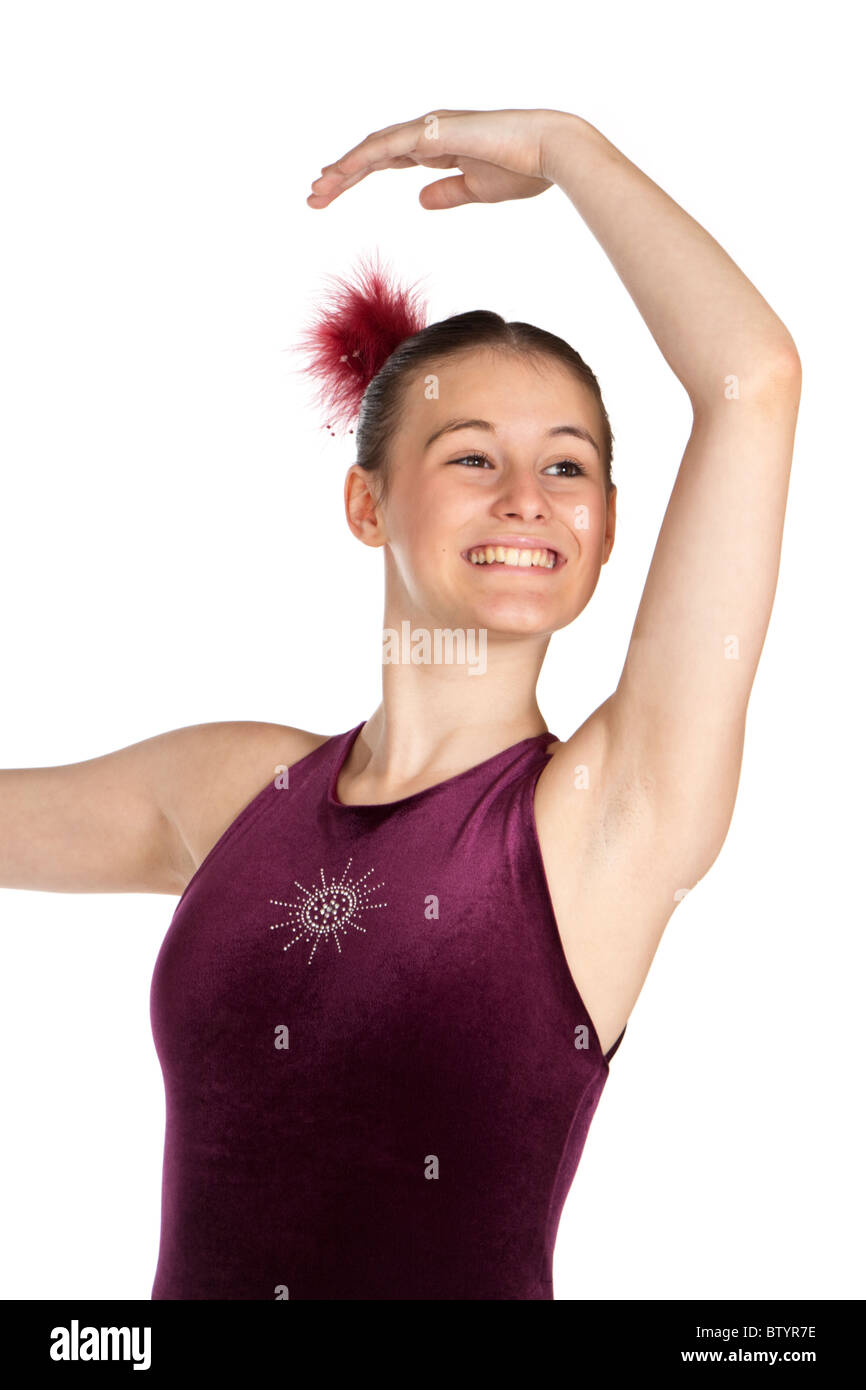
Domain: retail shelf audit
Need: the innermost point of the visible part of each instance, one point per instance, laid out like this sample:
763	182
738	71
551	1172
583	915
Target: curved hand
501	155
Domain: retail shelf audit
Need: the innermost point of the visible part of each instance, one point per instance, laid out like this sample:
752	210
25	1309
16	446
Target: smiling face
502	525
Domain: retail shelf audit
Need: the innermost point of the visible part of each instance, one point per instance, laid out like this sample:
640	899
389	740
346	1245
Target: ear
610	525
362	511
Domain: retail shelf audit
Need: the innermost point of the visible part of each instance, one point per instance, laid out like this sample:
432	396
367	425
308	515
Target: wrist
562	138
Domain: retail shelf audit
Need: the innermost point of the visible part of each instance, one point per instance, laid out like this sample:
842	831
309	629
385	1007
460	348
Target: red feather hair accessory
360	323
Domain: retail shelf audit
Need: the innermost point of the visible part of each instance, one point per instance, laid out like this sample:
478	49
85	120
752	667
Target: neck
451	698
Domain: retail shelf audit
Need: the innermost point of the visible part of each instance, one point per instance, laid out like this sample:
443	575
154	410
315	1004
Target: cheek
420	554
586	521
424	531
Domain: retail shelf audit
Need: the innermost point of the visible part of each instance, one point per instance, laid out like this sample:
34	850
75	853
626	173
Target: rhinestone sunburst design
327	911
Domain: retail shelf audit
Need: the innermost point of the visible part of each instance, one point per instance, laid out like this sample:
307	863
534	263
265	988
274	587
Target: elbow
787	363
776	380
782	368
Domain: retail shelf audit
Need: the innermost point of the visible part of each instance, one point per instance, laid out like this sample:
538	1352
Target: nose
523	498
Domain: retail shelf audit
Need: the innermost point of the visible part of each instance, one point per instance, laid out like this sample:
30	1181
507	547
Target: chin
515	619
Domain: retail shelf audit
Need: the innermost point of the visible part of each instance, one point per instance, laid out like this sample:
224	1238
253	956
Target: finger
446	193
329	185
334	177
393	142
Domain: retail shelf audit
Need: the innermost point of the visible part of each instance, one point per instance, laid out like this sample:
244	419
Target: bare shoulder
594	787
604	837
615	865
606	794
205	774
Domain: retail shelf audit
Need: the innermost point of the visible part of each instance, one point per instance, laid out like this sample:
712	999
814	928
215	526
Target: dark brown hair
382	403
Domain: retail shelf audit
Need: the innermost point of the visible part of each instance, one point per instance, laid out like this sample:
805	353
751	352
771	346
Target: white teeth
512	555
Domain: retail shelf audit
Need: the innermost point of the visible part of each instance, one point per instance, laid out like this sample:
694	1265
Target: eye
579	470
467	458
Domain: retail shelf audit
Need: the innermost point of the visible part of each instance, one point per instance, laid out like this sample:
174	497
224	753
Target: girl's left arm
680	705
676	722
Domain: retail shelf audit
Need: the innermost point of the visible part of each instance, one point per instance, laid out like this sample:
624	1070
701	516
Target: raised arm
675	724
678	713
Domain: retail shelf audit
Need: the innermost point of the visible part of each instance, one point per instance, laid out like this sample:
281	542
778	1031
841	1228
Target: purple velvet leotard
379	1073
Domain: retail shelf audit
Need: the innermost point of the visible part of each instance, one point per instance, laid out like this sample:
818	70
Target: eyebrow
576	431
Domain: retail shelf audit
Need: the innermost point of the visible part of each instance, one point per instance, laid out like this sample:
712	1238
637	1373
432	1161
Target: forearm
707	318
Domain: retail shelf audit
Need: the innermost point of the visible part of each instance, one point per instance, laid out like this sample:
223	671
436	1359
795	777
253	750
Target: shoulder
611	791
205	774
615	859
597	798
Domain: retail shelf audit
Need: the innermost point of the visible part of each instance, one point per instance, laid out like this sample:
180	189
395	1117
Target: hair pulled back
369	341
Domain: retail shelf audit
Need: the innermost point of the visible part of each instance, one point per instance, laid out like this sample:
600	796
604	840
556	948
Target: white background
174	551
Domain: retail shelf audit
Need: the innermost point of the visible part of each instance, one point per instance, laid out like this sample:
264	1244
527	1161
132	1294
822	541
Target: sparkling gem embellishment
327	911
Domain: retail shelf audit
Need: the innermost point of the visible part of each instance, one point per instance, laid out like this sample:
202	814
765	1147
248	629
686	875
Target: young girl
405	954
